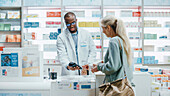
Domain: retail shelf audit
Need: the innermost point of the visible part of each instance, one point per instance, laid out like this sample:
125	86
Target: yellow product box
96	24
89	24
82	24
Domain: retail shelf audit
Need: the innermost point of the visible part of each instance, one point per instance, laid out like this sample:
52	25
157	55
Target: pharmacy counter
73	86
25	88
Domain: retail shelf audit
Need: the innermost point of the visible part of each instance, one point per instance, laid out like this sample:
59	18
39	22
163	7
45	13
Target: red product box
1	48
136	14
53	14
98	47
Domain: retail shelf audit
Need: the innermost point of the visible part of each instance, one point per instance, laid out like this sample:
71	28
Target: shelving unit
92	11
131	16
10	26
161	35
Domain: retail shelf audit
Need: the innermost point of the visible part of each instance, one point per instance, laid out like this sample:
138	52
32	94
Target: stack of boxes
150	60
151	23
89	24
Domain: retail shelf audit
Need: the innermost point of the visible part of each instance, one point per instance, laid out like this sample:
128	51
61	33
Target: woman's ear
108	27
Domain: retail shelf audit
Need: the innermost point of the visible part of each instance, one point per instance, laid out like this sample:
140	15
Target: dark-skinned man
74	47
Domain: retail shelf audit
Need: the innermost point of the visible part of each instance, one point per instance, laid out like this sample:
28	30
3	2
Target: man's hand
94	69
73	68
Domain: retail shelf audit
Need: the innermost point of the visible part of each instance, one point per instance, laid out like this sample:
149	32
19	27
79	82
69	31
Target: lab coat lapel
70	39
78	46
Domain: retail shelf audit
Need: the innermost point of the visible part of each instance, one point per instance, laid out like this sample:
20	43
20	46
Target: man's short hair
68	14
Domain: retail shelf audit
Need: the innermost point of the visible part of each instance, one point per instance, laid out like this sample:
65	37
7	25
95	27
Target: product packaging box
35	24
7	27
89	24
82	24
2	15
1	27
27	24
53	14
18	38
13	15
96	24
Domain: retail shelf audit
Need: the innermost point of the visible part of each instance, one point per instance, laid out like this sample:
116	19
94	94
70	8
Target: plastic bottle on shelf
165	77
153	78
164	84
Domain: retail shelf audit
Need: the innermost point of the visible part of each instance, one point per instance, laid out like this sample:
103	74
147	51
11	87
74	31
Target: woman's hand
94	69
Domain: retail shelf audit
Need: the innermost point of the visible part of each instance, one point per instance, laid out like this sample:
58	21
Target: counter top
45	85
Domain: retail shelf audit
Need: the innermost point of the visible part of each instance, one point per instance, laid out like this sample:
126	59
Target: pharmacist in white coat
74	45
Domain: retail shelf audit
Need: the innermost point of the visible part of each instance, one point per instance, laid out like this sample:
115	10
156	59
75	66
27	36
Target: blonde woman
112	66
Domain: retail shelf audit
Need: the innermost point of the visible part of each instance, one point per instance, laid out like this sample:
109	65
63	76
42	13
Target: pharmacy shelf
157	27
43	41
91	29
42	18
157	52
157	42
10	32
163	64
11	19
156	7
82	7
157	17
11	42
121	7
42	28
53	64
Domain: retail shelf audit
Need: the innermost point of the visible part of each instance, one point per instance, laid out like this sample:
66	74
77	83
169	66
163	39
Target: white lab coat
67	53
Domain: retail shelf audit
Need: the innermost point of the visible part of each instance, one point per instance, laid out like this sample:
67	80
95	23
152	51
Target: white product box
13	15
2	15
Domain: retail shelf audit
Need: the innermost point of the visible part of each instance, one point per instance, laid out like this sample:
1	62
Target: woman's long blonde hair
119	29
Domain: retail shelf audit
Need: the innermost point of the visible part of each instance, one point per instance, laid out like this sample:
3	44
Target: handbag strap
120	48
121	57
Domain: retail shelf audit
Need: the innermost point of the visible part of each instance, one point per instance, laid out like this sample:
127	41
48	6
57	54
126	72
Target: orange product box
53	14
10	38
18	38
15	38
136	14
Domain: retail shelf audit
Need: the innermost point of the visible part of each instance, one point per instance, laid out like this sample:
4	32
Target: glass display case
10	26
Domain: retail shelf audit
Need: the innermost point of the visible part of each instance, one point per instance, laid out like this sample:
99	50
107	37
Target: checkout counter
70	86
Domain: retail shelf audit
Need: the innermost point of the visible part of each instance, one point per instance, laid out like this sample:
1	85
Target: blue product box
145	61
152	61
156	61
139	60
59	31
51	33
153	57
75	85
55	34
35	24
27	24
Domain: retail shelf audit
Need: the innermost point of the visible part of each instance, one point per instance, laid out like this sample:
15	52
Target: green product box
1	27
155	36
7	27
